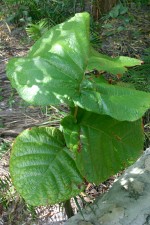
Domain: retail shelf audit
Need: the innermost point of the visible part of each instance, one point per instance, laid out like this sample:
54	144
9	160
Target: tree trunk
96	7
126	203
99	7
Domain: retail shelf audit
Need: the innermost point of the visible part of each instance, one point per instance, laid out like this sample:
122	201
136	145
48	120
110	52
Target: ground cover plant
22	12
103	132
139	76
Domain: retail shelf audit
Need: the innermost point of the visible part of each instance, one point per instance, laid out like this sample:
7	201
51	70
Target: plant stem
75	111
68	208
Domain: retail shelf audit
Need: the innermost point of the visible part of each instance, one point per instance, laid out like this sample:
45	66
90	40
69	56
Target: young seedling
101	135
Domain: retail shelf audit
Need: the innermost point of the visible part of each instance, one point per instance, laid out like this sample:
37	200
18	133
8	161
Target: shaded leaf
71	132
112	65
121	103
107	145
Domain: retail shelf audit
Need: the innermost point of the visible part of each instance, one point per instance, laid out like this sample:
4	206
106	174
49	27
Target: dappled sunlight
46	80
130	178
137	170
49	76
62	34
60	98
123	181
44	43
27	92
18	68
57	49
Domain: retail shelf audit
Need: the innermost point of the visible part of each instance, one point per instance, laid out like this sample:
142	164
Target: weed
137	2
4	187
35	31
117	11
13	208
119	14
33	11
139	76
4	147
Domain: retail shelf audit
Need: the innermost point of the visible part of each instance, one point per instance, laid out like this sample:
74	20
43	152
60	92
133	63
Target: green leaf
44	83
42	168
114	12
123	10
112	65
107	145
71	132
52	71
120	28
70	38
89	99
118	102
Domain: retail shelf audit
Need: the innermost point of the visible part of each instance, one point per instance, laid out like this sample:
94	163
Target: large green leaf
118	102
43	83
69	40
42	168
106	145
54	68
112	65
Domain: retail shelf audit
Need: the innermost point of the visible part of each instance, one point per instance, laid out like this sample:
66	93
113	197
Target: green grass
4	147
14	209
139	76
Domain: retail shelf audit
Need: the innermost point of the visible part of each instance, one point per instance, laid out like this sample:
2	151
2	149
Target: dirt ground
16	115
